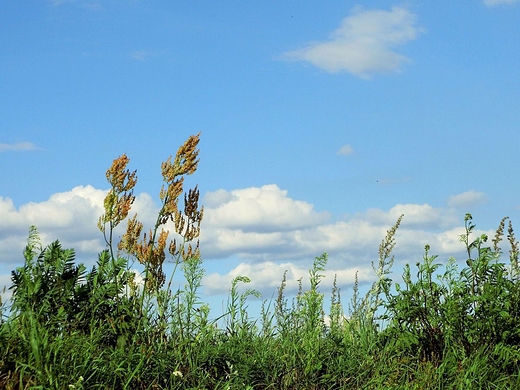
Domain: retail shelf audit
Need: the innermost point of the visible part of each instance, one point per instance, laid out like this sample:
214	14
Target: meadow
439	326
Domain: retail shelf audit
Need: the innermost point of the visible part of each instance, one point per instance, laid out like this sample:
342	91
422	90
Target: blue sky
321	122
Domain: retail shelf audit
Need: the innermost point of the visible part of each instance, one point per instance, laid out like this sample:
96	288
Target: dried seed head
173	248
120	197
388	244
499	234
119	177
150	249
514	251
185	162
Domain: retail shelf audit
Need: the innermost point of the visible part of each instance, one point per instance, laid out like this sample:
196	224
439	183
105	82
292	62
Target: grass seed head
499	234
120	198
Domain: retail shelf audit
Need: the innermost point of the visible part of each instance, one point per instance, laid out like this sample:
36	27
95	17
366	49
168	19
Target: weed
70	327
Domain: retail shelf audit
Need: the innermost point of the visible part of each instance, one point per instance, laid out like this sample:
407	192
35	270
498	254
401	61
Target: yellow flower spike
117	174
150	248
129	240
185	162
186	158
119	199
161	242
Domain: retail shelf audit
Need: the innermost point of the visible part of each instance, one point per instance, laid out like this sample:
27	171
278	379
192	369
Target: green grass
439	327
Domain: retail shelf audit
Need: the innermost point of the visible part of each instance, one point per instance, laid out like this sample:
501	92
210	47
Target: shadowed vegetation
437	327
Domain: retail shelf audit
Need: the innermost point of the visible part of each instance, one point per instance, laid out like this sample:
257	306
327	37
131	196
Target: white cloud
415	215
364	44
255	222
218	198
260	209
20	146
79	205
261	228
346	150
492	3
352	243
467	199
267	276
69	216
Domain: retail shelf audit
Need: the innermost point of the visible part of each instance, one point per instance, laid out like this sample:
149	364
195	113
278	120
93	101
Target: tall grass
441	327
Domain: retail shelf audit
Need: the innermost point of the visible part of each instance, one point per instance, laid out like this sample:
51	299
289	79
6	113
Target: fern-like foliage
47	286
64	297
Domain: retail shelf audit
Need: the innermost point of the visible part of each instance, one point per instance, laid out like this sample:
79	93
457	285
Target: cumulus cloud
262	229
20	146
416	215
69	216
364	44
266	277
467	199
260	209
255	222
352	243
241	224
353	250
346	150
493	3
78	208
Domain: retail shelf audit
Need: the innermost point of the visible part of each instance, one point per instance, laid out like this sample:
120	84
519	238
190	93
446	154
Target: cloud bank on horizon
263	227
